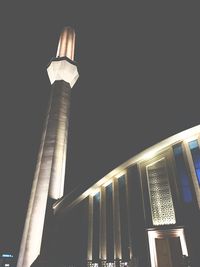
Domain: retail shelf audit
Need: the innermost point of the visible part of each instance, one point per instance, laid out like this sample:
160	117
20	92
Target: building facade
144	213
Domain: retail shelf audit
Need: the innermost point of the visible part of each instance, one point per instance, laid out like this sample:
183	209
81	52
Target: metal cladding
50	170
66	43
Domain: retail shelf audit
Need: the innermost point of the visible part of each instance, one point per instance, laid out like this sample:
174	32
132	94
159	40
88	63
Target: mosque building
144	213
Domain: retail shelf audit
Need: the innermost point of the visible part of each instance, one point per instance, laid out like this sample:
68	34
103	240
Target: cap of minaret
63	66
66	43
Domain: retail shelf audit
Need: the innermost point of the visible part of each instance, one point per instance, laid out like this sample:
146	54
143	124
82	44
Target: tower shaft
50	170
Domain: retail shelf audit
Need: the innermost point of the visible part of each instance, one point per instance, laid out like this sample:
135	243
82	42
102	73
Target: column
116	216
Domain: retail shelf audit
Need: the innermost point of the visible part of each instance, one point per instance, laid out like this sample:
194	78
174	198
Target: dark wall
70	242
138	236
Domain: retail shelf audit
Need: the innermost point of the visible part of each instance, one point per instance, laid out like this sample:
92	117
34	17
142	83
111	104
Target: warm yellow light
94	191
186	135
66	43
87	192
191	138
148	153
102	181
91	191
120	174
107	183
152	235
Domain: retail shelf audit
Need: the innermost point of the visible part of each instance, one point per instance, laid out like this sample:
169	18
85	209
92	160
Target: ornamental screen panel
162	208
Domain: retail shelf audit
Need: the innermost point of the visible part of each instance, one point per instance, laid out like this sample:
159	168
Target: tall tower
49	175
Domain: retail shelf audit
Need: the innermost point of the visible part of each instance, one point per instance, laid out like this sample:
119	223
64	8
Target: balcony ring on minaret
63	66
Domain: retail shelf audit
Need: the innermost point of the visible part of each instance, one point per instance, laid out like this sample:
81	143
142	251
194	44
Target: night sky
139	83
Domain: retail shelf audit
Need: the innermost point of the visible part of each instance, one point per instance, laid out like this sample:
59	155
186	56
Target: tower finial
66	43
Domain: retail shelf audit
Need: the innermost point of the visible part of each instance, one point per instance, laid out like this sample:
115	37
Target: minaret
49	175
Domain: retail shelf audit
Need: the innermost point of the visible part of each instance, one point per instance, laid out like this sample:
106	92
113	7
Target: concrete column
103	224
116	220
90	228
127	177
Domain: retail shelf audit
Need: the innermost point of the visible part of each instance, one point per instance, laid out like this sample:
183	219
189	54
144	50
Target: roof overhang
80	193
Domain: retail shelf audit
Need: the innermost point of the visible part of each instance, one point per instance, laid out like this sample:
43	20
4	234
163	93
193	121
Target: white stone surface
63	70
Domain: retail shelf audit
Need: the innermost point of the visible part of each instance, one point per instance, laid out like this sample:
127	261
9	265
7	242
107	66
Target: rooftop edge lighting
142	156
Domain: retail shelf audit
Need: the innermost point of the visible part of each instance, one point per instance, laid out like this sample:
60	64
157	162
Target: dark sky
139	83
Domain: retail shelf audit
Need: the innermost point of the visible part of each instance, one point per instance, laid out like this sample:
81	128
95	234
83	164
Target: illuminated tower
49	176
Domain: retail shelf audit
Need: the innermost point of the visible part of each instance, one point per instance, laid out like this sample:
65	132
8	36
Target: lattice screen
162	207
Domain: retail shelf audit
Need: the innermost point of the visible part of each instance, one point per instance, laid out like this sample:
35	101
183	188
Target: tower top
66	43
63	66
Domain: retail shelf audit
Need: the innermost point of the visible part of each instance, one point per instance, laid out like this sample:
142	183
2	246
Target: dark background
139	83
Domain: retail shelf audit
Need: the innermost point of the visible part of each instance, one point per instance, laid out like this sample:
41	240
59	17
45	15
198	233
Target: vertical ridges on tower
66	43
48	182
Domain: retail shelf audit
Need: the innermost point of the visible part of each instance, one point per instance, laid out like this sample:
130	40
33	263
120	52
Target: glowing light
162	208
87	192
66	43
107	183
183	243
184	135
63	70
7	256
152	235
59	69
95	191
91	191
102	181
149	155
142	156
191	138
56	187
120	174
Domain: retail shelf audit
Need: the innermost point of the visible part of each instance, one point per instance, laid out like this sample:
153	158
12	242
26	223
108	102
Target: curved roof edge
80	193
